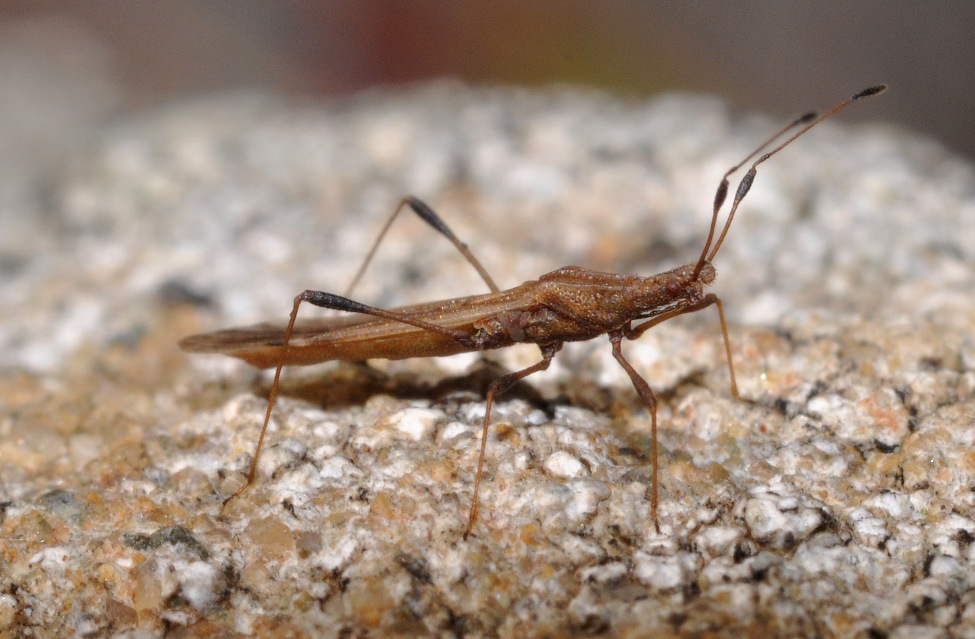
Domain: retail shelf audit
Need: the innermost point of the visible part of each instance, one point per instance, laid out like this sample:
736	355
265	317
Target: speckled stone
834	498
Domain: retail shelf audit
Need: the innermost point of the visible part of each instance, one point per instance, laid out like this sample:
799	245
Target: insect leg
650	401
430	217
497	387
339	303
705	301
643	389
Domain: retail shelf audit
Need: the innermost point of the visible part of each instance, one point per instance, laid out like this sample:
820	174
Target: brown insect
566	305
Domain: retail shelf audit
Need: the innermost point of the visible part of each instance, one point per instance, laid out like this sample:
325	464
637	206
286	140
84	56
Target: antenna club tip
866	93
805	118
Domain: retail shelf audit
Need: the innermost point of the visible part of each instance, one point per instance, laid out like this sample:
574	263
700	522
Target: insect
568	304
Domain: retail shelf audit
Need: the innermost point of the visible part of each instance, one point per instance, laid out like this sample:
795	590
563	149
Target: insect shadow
355	382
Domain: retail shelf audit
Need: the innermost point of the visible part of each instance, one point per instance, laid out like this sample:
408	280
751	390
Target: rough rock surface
837	497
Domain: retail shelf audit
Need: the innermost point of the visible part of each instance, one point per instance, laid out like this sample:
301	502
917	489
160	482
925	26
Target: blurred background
108	57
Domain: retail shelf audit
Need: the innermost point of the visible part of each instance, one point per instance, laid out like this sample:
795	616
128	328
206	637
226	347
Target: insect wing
359	337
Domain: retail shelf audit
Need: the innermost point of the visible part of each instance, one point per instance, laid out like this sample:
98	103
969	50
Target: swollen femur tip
866	93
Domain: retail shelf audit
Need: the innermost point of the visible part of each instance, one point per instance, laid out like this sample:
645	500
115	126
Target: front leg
704	302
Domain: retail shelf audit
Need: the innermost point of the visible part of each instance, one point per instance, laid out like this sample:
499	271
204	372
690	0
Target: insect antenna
749	177
722	193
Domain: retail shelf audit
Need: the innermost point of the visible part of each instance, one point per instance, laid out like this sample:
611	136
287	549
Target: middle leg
497	387
650	401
